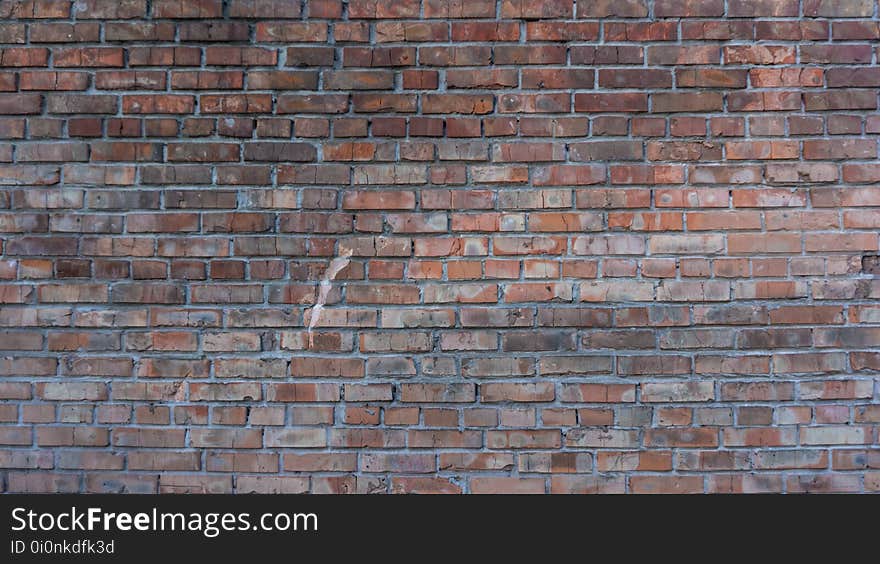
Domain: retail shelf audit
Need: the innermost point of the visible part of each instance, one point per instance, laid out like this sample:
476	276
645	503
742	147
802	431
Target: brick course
439	246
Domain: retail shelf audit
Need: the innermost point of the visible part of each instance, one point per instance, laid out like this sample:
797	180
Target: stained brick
280	247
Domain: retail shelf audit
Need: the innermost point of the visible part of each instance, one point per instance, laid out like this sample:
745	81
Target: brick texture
439	246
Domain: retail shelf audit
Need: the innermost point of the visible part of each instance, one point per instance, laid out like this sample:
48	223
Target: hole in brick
871	264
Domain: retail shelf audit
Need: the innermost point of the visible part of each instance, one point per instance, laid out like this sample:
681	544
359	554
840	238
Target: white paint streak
333	269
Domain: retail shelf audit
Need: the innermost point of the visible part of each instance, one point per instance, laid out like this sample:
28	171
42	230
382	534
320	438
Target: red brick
411	247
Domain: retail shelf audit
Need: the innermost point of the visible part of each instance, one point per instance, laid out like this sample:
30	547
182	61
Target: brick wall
439	246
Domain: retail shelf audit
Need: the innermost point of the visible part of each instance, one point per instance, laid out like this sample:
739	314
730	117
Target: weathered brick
258	237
